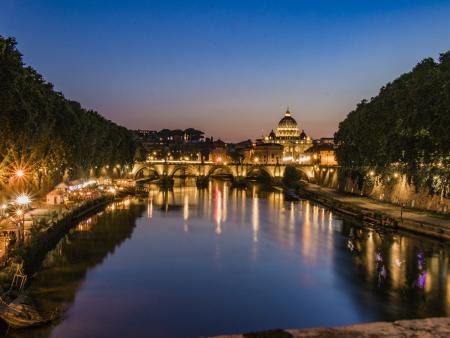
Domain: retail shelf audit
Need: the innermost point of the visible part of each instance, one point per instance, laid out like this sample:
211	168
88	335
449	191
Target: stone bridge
170	169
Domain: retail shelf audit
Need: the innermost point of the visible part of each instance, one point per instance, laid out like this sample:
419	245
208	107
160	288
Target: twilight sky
229	68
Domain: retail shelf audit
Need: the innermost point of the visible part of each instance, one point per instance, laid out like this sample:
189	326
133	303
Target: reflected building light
234	201
421	280
243	206
150	208
321	216
186	227
370	255
225	202
307	232
255	217
428	281
432	274
160	198
210	198
448	285
421	267
315	215
396	265
292	216
291	232
186	207
328	229
330	221
218	209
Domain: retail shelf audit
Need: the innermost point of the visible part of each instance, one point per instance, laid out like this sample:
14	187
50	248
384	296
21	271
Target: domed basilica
295	143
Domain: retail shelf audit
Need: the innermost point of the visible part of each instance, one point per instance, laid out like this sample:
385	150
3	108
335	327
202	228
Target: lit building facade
295	143
264	153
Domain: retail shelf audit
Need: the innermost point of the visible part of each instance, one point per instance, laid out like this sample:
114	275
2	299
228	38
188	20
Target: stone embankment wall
430	327
399	192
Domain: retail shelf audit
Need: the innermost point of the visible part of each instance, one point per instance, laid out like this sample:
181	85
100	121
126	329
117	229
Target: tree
405	128
49	134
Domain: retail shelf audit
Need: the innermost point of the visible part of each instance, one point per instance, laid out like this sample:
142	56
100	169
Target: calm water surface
194	262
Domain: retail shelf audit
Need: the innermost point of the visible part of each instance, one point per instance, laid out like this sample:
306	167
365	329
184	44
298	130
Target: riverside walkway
411	219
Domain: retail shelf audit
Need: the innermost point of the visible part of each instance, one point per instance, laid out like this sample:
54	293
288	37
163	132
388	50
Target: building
322	154
57	195
295	143
263	153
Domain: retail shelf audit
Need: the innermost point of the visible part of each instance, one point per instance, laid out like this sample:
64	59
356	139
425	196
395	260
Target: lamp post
22	200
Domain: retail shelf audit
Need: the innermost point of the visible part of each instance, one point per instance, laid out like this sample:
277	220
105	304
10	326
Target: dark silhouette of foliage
405	128
291	176
56	135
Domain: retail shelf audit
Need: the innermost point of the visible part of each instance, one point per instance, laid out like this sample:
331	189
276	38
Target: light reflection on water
194	262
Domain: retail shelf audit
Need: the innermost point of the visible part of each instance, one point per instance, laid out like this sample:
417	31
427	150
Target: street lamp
23	199
20	173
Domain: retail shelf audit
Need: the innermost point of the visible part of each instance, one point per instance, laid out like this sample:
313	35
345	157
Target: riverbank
379	213
430	327
42	238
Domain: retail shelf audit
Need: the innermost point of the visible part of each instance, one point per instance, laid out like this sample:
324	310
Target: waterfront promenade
411	219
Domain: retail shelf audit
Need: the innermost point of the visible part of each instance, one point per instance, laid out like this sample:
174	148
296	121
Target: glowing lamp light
20	173
19	212
256	159
23	199
372	173
219	159
395	175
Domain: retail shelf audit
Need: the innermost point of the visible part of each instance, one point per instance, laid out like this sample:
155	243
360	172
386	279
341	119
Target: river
192	262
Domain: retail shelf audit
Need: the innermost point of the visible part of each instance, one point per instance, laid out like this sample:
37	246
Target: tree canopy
50	134
405	128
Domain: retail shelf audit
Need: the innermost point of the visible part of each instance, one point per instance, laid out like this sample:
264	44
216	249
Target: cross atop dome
288	112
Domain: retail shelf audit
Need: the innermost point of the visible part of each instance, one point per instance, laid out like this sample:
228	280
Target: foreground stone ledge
430	327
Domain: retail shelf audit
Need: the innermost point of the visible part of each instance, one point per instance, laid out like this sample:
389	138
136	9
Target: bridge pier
202	181
239	181
166	181
278	180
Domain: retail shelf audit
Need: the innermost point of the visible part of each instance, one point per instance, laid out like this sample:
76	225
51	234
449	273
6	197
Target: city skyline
230	69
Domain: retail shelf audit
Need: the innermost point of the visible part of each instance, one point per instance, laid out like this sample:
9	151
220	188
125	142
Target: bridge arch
189	170
146	171
259	171
299	171
220	169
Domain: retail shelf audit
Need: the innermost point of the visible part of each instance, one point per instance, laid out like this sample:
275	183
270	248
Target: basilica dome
287	127
287	121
